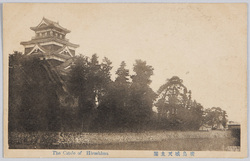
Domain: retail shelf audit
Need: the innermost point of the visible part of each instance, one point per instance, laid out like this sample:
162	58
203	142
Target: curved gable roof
37	47
46	23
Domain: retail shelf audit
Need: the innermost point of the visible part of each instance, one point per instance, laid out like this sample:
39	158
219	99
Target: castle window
51	33
60	36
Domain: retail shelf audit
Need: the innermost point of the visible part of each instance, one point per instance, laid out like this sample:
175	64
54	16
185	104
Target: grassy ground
153	140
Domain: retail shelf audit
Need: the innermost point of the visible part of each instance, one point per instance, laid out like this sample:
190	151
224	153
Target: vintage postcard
124	80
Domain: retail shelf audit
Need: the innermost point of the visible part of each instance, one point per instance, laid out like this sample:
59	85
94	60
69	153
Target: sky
203	44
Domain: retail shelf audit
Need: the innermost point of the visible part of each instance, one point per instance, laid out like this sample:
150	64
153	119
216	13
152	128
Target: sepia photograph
103	80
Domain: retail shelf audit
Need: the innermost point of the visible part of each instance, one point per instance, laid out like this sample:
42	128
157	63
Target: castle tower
50	43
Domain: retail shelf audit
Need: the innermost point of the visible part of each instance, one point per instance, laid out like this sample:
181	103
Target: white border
108	1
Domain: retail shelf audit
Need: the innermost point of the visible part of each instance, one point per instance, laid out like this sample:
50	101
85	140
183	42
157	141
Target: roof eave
37	29
50	39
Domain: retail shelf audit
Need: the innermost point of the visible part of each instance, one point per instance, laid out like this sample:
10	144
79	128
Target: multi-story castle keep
50	43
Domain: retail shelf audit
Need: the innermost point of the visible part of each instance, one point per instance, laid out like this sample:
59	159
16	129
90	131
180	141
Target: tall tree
175	106
112	111
122	75
141	95
15	90
121	94
88	81
121	85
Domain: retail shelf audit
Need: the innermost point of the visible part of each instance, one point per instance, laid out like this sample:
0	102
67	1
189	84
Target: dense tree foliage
176	109
113	111
87	99
34	94
141	95
215	117
89	81
15	90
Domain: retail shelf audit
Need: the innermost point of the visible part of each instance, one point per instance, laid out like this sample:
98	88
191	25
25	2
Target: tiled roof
55	53
61	55
66	63
48	39
65	67
50	23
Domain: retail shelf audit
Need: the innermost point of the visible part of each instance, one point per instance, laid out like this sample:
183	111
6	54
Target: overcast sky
203	44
